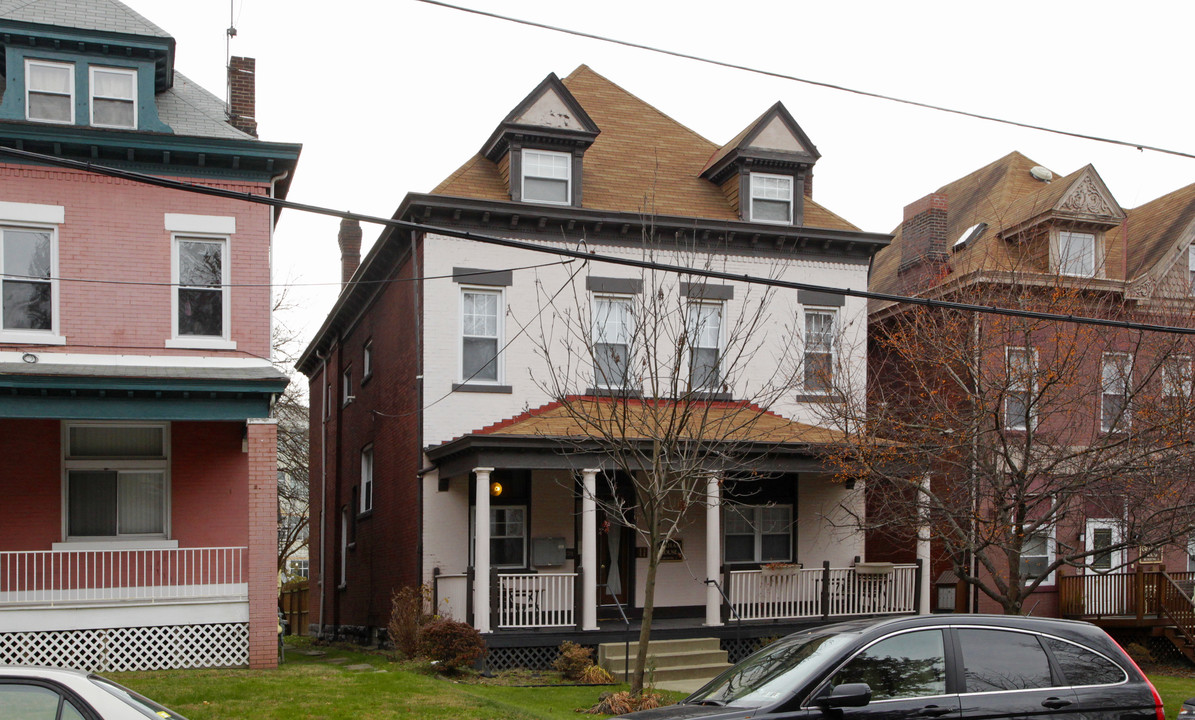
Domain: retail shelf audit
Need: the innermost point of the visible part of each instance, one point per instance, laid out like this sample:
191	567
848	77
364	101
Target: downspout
270	255
323	491
417	289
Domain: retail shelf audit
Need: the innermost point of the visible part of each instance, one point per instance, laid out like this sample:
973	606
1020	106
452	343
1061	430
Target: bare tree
291	411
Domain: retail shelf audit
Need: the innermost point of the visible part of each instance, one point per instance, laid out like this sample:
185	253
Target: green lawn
1174	690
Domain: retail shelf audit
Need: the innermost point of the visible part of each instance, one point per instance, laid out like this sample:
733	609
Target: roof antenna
229	35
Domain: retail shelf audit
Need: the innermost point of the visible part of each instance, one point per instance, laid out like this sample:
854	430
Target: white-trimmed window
49	91
705	351
1177	376
481	335
346	385
113	97
1116	371
508	536
758	533
771	198
28	283
1191	554
547	177
202	310
367	479
1020	386
1076	254
367	360
1102	535
613	325
818	361
1037	553
117	480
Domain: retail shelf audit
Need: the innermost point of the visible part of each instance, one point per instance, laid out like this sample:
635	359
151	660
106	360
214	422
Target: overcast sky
391	96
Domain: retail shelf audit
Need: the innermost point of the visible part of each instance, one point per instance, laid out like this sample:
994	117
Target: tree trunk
649	603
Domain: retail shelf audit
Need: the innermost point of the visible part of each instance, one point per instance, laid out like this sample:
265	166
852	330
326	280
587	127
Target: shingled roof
101	15
1158	231
641	155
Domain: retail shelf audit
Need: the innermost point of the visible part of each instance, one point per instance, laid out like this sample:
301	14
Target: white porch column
589	541
713	549
923	532
481	551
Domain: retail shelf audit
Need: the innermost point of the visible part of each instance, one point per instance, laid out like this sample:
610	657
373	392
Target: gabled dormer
540	146
766	170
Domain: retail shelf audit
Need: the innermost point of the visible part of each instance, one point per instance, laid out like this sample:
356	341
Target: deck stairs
682	665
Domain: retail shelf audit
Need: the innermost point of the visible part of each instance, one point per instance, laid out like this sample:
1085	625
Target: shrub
452	644
574	660
595	675
621	703
407	615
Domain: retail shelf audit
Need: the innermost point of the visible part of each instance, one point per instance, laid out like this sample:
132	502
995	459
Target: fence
791	592
1118	594
529	600
293	601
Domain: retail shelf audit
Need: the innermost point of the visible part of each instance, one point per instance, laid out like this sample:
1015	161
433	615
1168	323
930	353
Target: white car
42	693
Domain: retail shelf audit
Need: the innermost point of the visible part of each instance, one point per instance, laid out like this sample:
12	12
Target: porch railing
530	600
1117	594
69	576
776	594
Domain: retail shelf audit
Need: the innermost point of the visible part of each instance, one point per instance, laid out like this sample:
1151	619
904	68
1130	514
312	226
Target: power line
807	81
588	255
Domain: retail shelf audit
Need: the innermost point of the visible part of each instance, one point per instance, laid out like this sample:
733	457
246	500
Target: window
1021	365
705	338
1176	377
27	284
346	386
202	280
1115	372
771	198
547	177
1191	267
481	328
908	665
367	361
508	536
819	351
1081	666
613	325
49	91
1037	552
298	568
113	97
36	702
1076	254
1191	554
116	477
758	533
367	479
344	547
995	660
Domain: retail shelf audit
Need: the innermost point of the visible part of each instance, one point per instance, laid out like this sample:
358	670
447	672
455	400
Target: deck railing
790	593
49	577
1116	594
531	600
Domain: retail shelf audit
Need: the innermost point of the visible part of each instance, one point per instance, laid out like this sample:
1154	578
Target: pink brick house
137	448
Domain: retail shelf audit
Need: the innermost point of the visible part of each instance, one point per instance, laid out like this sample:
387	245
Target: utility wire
587	255
807	81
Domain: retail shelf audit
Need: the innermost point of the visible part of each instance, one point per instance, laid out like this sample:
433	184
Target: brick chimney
923	233
242	94
350	248
809	183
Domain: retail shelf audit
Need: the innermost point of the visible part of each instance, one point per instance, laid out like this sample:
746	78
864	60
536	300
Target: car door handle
1054	703
935	711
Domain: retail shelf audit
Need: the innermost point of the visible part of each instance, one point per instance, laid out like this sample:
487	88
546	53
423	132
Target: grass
1174	690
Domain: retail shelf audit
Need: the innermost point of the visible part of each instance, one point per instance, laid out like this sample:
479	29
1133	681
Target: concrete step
698	673
658	646
615	662
689	662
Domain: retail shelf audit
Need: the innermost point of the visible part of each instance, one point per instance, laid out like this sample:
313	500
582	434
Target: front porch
1156	599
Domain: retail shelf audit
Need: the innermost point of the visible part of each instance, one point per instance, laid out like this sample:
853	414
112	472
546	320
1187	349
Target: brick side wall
101	239
263	543
208	485
31	483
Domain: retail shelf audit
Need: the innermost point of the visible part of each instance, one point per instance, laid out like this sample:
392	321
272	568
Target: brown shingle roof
1154	229
643	161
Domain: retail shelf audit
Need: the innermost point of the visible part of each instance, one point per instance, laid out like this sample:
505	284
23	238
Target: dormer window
771	198
113	97
49	91
547	177
1076	254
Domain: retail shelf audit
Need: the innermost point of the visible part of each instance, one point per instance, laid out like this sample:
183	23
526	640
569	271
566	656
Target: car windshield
140	703
773	673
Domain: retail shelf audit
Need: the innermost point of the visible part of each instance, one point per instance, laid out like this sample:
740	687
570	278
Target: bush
450	643
595	675
573	661
621	703
407	615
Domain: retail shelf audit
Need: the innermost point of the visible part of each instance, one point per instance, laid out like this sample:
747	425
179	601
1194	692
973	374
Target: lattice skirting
123	649
531	658
739	648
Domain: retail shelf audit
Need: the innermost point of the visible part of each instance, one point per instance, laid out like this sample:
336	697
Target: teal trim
158	51
74	134
96	408
172	385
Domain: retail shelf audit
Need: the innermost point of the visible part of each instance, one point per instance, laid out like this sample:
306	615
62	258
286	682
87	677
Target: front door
616	550
1102	534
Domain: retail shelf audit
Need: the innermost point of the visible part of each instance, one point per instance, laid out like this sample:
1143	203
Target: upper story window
367	479
547	177
27	283
705	341
771	198
366	361
49	91
613	325
113	97
481	334
1021	367
818	362
346	385
1076	254
202	287
1115	372
1177	376
1037	554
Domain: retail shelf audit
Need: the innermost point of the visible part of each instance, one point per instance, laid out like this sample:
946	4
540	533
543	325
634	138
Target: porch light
495	488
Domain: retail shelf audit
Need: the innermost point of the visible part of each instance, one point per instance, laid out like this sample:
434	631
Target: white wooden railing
529	600
798	593
48	577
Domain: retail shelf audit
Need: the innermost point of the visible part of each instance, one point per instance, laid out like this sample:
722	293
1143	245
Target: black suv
962	666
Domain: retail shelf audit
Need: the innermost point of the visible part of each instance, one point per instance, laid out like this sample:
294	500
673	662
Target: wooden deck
1152	599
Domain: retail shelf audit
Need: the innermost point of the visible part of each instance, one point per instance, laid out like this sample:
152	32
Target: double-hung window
49	91
613	325
346	385
705	341
116	476
202	287
758	533
1115	373
818	362
481	333
508	536
113	97
1020	385
367	479
1076	254
1177	377
771	198
1037	553
27	279
547	177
